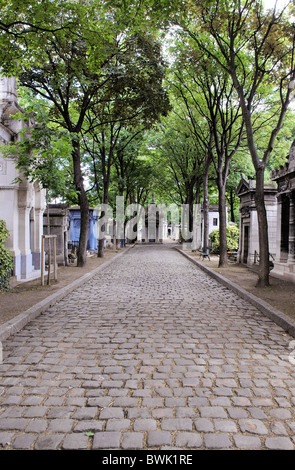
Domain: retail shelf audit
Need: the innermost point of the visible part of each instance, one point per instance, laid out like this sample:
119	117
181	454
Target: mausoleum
56	222
75	227
21	203
249	239
284	266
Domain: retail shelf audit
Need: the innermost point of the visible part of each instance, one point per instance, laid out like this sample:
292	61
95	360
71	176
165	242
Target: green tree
211	98
44	153
134	98
256	49
62	52
232	239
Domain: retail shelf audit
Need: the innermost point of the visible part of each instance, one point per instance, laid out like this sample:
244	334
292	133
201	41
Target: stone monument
284	176
22	203
249	239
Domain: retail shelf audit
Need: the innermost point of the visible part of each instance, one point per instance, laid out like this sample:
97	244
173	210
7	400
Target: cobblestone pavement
151	353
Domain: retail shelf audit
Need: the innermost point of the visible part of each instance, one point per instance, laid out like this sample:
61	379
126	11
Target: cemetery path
150	353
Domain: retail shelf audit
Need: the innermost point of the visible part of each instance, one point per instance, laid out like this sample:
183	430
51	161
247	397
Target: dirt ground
280	294
26	294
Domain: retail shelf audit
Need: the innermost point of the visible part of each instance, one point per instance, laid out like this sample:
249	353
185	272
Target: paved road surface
151	353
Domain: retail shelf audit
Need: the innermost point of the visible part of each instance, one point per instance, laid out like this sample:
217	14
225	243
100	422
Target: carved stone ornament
245	211
283	185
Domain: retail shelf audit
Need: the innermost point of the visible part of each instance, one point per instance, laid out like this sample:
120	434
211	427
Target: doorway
246	244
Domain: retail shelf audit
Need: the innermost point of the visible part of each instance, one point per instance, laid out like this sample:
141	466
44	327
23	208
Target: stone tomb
284	176
59	225
21	202
249	239
75	226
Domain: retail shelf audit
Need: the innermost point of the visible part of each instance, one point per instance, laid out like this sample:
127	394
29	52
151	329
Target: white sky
280	3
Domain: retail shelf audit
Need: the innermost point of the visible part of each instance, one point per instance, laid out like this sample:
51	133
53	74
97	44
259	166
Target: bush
232	237
6	258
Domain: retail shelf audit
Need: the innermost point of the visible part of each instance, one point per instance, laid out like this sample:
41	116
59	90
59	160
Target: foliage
43	152
177	157
255	48
101	69
232	238
64	52
6	259
133	100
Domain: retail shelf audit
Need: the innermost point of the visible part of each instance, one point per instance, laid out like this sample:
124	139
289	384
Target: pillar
279	231
291	244
24	241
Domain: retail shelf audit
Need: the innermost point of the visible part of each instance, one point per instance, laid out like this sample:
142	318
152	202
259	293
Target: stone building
249	239
75	226
284	266
153	227
213	220
59	225
21	203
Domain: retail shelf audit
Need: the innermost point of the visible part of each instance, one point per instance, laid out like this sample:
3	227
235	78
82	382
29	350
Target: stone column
38	236
279	228
24	241
291	254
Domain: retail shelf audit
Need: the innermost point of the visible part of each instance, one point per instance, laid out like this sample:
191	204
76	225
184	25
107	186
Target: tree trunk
206	207
222	225
100	248
232	211
263	280
83	203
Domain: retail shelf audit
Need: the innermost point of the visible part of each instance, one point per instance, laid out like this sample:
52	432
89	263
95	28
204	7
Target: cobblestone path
151	353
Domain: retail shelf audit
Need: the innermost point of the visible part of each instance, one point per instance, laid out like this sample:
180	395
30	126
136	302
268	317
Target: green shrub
6	258
232	237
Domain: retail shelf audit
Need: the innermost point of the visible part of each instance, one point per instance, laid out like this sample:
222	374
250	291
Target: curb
278	317
16	324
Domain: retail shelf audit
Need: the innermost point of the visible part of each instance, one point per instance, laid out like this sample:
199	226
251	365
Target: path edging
16	324
278	317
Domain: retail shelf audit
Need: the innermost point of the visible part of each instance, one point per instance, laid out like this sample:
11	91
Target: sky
271	3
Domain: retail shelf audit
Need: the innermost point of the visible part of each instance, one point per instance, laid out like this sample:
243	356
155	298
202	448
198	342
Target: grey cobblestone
217	441
279	443
145	425
118	424
189	439
60	425
149	353
247	442
24	442
132	440
77	441
177	424
107	440
159	438
49	442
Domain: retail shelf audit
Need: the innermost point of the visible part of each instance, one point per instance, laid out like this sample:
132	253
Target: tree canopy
174	98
